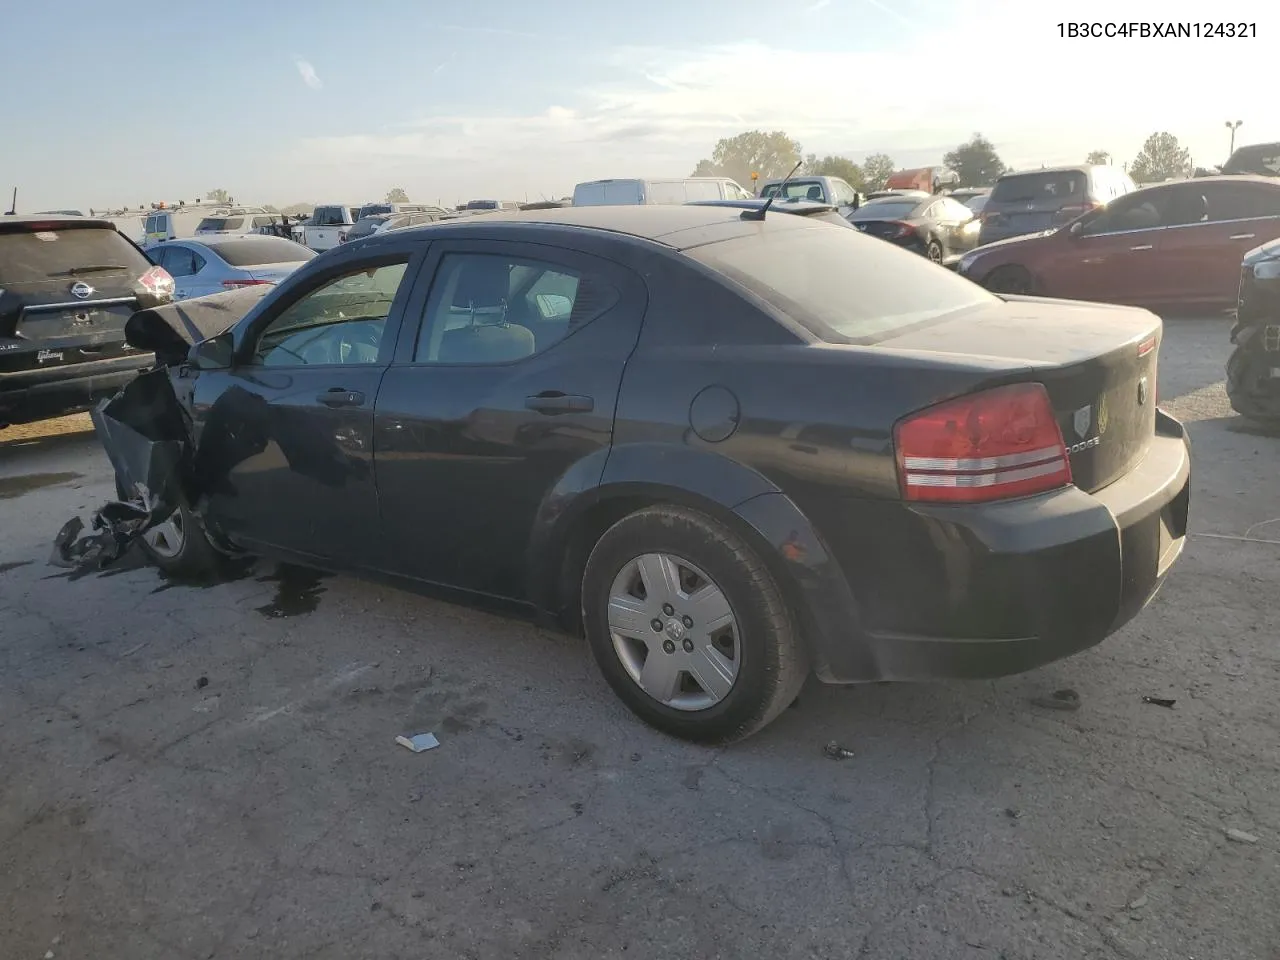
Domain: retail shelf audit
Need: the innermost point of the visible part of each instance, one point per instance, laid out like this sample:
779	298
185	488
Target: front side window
339	323
1149	210
486	308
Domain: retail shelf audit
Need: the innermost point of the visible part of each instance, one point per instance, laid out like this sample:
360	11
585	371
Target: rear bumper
30	395
988	591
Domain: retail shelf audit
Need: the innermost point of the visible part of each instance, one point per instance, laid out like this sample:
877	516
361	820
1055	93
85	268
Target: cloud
308	73
816	6
658	111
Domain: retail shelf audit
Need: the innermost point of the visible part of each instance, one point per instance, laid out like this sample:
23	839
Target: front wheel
689	627
1011	279
179	546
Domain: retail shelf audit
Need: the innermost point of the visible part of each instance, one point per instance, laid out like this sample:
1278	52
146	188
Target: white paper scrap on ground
419	742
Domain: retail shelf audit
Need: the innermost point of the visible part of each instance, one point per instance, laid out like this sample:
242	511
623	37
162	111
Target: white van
183	222
607	193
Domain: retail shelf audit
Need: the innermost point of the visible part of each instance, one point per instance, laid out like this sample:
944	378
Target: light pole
1233	127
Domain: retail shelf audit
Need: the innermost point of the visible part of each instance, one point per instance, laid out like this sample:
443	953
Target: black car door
285	435
503	393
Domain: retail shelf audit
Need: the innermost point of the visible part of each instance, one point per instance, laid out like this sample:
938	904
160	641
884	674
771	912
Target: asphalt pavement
212	772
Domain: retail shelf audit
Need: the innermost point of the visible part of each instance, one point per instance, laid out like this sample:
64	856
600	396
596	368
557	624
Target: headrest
482	282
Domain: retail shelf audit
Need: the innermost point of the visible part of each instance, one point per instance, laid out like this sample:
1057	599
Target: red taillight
993	445
236	284
1146	346
902	229
157	282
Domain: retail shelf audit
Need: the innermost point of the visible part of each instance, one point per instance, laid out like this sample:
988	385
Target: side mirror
216	353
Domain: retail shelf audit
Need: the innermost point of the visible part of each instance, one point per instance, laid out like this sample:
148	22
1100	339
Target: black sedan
939	228
731	452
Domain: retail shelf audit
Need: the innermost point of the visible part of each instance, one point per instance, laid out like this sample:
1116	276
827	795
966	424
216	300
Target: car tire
1011	279
715	682
180	547
934	251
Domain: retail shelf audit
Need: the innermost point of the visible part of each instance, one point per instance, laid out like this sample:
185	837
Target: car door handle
337	397
1243	236
1145	246
552	402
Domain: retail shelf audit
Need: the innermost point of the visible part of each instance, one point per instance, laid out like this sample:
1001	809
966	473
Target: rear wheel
934	251
1012	279
178	545
689	627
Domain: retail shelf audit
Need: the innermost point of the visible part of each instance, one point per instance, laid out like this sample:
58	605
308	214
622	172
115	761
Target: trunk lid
1097	362
272	272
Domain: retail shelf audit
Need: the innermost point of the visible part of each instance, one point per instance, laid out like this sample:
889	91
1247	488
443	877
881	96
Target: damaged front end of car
1253	370
146	428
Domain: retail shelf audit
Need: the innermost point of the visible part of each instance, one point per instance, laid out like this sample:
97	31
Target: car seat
814	193
482	288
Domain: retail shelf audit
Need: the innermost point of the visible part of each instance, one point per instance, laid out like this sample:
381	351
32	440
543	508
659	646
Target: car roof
1070	168
678	226
29	221
899	198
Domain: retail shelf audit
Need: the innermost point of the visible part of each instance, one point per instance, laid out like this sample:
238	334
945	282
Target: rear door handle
337	397
552	402
1243	236
1145	246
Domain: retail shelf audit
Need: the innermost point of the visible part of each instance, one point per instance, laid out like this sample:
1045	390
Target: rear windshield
371	209
482	205
252	251
221	223
329	217
888	210
804	189
32	257
842	286
1039	187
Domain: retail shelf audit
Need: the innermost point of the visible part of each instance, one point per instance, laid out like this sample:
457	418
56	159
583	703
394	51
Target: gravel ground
199	773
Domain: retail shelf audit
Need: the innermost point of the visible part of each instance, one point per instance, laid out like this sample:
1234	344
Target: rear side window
33	257
221	223
258	250
1043	187
1241	201
843	287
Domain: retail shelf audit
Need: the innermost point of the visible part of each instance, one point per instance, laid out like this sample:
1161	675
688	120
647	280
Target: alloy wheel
167	537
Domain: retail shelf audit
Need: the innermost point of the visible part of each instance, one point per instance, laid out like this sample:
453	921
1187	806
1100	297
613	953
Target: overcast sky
323	101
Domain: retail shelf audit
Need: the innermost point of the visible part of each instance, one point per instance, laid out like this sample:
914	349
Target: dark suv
1038	200
67	286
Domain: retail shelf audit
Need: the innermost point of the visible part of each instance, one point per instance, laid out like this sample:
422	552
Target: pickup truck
829	190
328	226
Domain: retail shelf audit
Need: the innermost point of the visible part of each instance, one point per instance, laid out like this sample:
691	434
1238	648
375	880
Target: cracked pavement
268	812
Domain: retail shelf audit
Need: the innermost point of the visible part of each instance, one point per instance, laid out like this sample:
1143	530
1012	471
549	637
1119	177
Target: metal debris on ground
1239	836
1060	700
1137	903
834	751
419	742
1159	702
202	682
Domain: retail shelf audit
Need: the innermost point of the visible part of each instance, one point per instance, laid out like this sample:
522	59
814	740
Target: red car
1175	243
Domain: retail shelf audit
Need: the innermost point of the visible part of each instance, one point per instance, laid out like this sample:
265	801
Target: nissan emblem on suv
81	290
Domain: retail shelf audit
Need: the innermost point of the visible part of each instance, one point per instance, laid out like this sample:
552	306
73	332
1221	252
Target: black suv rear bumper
30	395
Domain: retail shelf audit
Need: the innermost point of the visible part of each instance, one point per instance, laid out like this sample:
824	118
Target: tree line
772	154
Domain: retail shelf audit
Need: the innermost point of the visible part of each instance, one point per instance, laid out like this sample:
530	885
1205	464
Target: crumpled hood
188	322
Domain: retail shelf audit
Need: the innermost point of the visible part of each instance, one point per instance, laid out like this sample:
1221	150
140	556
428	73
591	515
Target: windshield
842	286
221	223
483	205
370	209
253	251
888	210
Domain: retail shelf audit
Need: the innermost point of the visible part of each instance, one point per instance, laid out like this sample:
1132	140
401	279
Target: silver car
217	264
